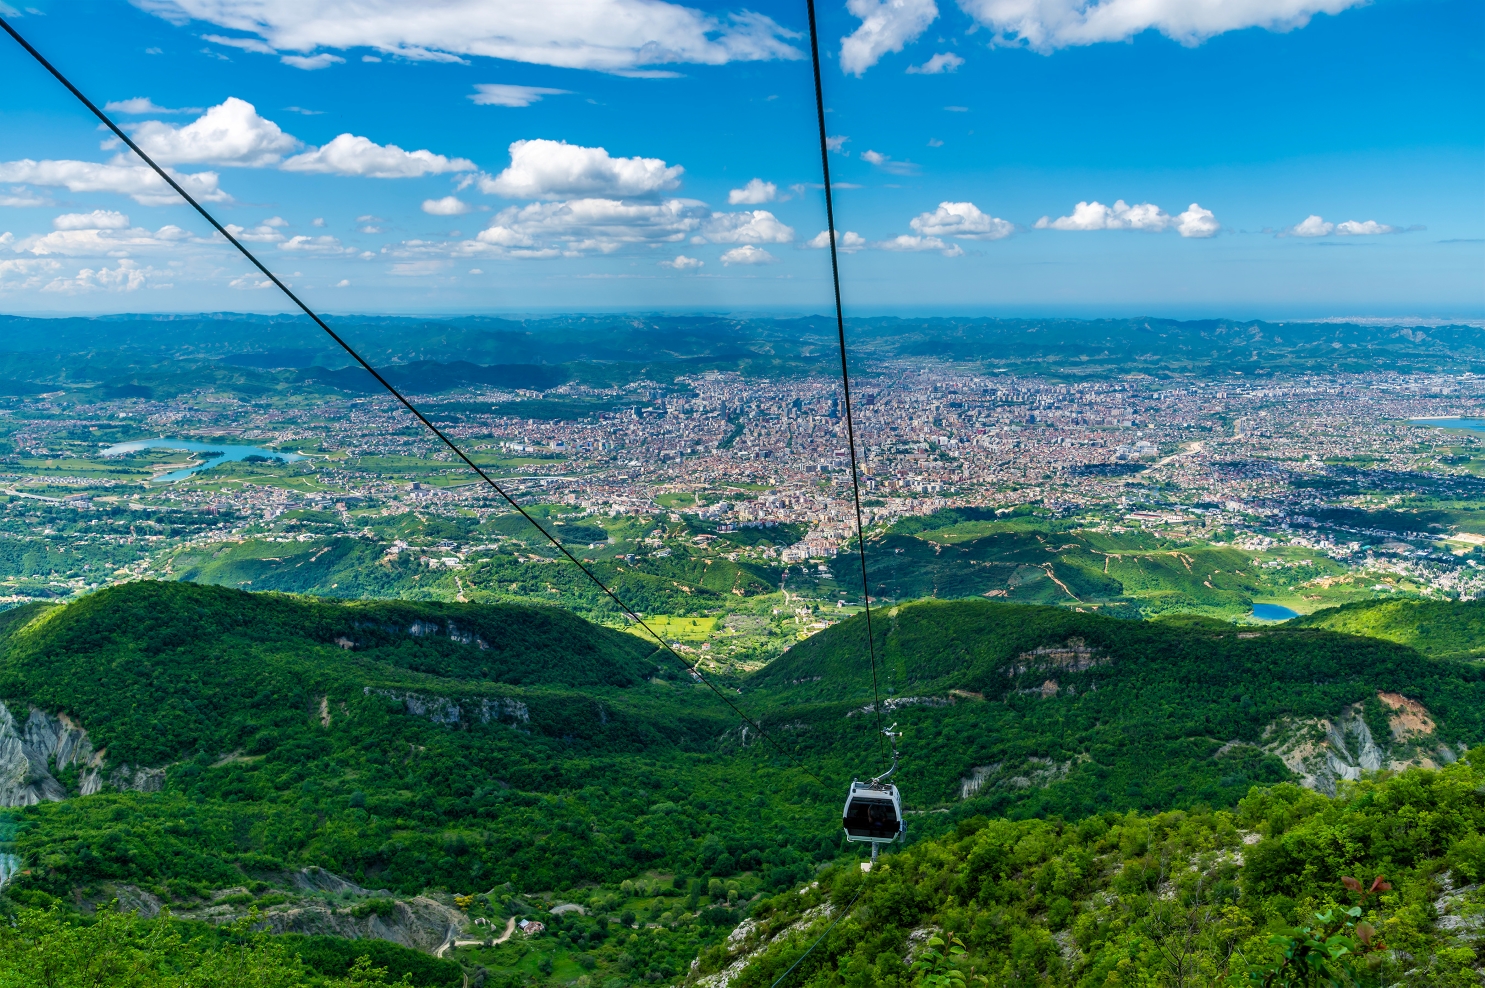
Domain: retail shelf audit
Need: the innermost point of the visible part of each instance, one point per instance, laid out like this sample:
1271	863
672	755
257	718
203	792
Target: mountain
1439	628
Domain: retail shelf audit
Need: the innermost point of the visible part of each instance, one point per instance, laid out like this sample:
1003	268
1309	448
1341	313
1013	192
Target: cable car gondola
873	810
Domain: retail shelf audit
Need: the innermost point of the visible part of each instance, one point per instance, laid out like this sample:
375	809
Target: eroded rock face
1325	750
32	755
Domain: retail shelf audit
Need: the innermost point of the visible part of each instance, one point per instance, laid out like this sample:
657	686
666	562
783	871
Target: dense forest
1197	898
522	757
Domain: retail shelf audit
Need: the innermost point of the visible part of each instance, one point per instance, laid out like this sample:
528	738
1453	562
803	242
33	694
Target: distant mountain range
160	353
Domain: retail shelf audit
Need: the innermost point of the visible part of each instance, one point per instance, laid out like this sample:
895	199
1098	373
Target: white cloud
887	164
249	281
447	206
1362	228
315	245
757	226
343	283
1197	222
585	225
1315	226
1120	216
607	35
140	105
352	155
127	277
755	192
907	243
1045	25
23	199
543	169
886	26
24	273
963	220
101	233
263	233
937	65
837	143
311	62
230	133
747	254
246	44
848	242
499	94
98	219
1311	226
683	263
137	181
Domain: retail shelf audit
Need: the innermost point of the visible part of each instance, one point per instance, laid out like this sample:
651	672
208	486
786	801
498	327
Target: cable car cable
694	669
845	374
843	914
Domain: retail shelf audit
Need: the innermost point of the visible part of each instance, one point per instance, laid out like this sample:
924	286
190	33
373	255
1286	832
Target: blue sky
1242	158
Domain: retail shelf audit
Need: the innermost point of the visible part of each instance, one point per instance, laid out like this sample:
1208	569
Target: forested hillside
1440	628
329	762
1177	898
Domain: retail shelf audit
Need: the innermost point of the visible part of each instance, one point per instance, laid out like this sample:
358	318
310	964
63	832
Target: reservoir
1272	612
1473	425
224	454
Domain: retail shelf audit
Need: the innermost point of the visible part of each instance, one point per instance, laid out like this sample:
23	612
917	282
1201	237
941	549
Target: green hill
1040	710
1440	628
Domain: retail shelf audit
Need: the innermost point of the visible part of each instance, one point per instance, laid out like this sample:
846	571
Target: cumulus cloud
140	105
683	263
264	233
543	169
128	276
846	243
315	245
909	243
101	233
230	133
585	225
1361	228
137	181
1315	226
1045	25
23	274
1311	226
963	220
499	94
352	155
1197	222
886	26
837	143
747	254
447	206
757	226
1120	216
755	192
98	219
937	65
618	36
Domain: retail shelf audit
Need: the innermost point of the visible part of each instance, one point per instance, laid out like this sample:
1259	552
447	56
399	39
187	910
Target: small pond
1272	612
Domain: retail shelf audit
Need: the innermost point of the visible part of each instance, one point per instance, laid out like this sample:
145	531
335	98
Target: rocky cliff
34	754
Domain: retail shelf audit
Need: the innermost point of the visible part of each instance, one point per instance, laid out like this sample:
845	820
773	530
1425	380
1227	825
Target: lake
1473	425
226	454
1272	612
